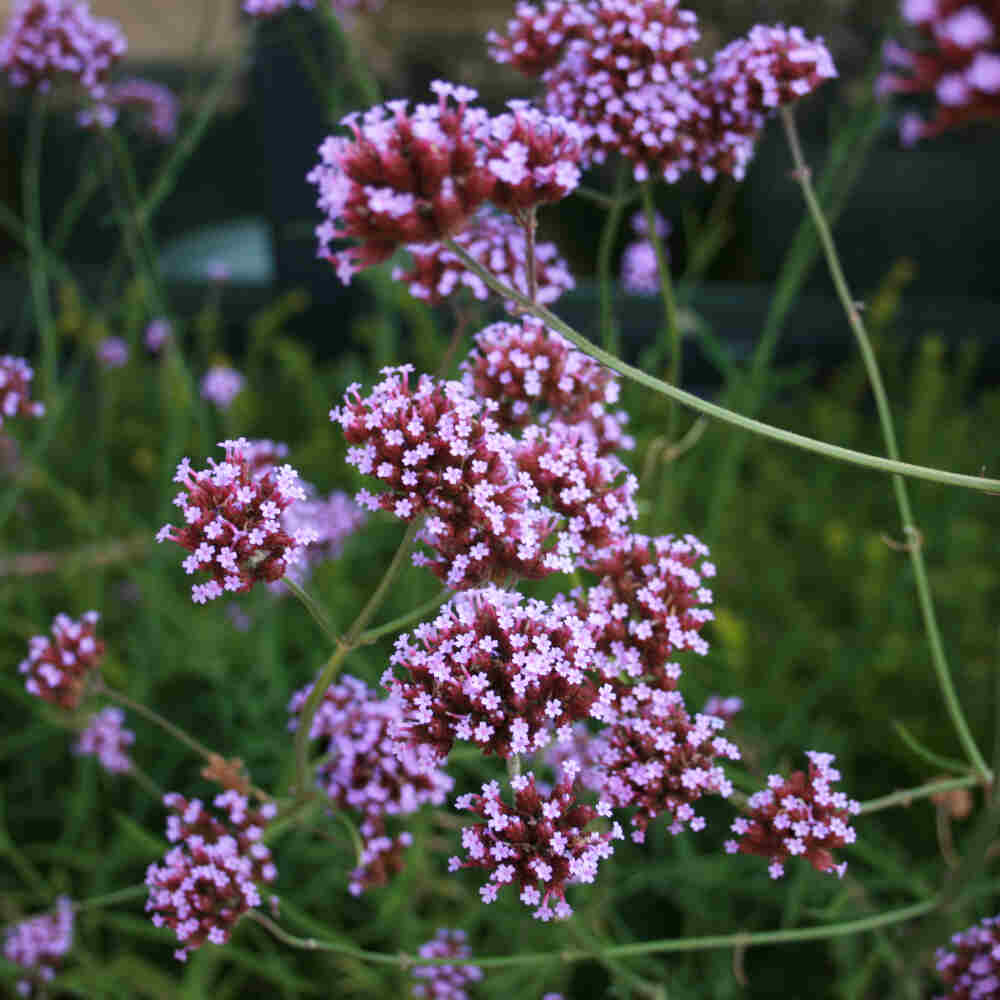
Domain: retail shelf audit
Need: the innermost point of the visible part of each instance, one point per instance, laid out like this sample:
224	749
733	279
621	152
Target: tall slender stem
914	546
832	451
530	225
907	795
315	609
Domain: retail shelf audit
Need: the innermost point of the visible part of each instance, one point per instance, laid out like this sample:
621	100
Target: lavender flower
445	982
221	385
15	389
39	944
153	102
112	352
331	520
970	967
106	738
157	334
640	269
723	708
536	37
57	669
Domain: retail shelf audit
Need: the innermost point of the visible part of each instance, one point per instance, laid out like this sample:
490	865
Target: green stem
910	530
315	609
907	795
374	634
350	52
832	451
112	898
605	283
934	759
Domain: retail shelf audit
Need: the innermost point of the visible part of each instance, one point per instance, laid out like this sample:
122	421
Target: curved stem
907	795
374	634
914	548
832	451
112	898
315	609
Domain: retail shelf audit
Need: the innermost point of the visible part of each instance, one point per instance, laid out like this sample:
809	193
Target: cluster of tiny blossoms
233	526
106	738
957	61
500	246
366	770
209	880
39	944
221	385
154	104
15	389
798	815
640	268
268	8
539	843
970	967
57	668
445	982
329	521
49	39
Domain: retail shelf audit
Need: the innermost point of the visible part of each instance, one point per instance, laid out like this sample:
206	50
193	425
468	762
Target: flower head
537	844
112	352
157	334
331	520
970	965
210	879
445	982
106	738
798	815
39	944
233	523
15	389
57	668
536	37
724	708
155	105
221	385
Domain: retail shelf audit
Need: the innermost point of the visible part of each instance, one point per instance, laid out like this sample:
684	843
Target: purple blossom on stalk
210	879
640	269
586	749
112	352
233	528
445	982
402	177
15	389
331	520
798	816
157	334
499	245
658	759
57	668
724	708
970	965
539	843
536	37
221	385
106	738
39	944
155	104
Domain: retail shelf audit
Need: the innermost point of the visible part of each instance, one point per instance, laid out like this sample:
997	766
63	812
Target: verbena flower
724	708
57	668
445	982
402	177
157	334
798	816
330	520
233	523
221	385
112	352
496	670
957	61
640	269
39	944
106	738
47	40
723	129
154	104
586	749
970	965
211	878
499	245
538	844
660	760
537	36
365	769
15	389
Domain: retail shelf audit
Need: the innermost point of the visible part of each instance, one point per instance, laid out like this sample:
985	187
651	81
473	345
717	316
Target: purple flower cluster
540	842
39	944
798	816
366	770
221	385
329	520
157	334
106	738
233	526
957	60
640	269
724	708
57	668
445	982
112	352
153	102
15	389
49	39
209	880
500	246
970	967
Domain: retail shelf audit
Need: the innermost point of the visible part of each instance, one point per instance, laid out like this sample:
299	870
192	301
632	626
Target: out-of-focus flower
537	36
207	882
499	245
218	271
798	815
233	528
238	618
157	334
584	747
39	944
402	177
970	964
268	8
723	708
57	668
539	843
15	389
221	385
112	352
957	61
640	272
155	104
331	520
107	739
445	982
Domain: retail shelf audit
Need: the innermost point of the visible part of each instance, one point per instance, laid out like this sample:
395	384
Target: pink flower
39	944
221	385
112	352
57	669
210	879
331	520
156	104
157	334
724	708
106	738
536	37
798	815
15	389
445	982
232	523
970	965
640	269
